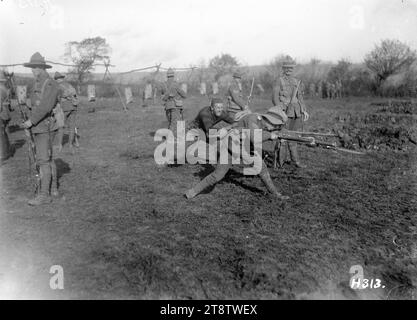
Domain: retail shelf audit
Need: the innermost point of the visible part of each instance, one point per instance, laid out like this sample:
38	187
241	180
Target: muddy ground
124	230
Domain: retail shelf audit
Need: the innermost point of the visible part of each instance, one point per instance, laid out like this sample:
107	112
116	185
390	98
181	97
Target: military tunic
206	119
283	93
173	97
44	98
69	103
294	107
4	119
235	98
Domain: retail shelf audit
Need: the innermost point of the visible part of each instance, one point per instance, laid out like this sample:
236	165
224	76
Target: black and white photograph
208	151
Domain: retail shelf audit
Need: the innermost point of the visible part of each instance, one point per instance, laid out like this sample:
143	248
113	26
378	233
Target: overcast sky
179	33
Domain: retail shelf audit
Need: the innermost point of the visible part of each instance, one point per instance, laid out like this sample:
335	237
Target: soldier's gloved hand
274	136
306	116
27	124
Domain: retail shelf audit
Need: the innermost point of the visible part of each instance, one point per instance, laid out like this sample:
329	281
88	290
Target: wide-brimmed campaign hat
58	75
237	74
37	61
289	63
170	73
275	115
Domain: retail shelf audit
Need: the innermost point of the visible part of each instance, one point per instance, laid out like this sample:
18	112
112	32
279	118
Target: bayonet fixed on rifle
251	91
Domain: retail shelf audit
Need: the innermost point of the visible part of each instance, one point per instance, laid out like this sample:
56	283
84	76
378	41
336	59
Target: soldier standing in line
320	89
274	118
68	103
312	90
173	96
4	119
339	88
288	95
333	91
41	121
236	102
328	90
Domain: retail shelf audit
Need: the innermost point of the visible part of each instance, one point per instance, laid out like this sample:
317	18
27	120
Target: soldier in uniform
320	89
43	99
312	90
69	103
4	119
235	97
328	90
339	88
273	119
288	95
333	90
210	116
173	97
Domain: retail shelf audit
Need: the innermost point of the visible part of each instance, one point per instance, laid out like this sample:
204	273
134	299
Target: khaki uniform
4	119
69	103
173	97
236	102
44	97
282	95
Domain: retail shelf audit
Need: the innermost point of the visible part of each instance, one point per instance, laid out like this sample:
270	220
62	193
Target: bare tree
223	64
85	54
389	58
274	67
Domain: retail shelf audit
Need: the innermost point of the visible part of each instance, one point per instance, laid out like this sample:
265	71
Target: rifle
315	134
31	144
251	91
311	142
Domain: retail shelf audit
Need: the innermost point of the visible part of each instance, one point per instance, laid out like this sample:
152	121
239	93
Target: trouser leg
214	177
70	123
294	124
43	145
60	136
175	116
4	141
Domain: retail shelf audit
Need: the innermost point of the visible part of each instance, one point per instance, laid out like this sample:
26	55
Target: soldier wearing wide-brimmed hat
44	97
236	102
273	119
288	94
68	103
173	97
4	119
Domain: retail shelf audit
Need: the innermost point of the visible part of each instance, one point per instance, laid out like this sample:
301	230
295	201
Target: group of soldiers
52	104
288	111
326	89
50	107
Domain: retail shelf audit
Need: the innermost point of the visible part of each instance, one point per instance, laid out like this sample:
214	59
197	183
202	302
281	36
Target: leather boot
294	155
269	184
43	197
208	181
54	182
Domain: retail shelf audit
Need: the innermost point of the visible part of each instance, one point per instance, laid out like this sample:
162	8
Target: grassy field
124	230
